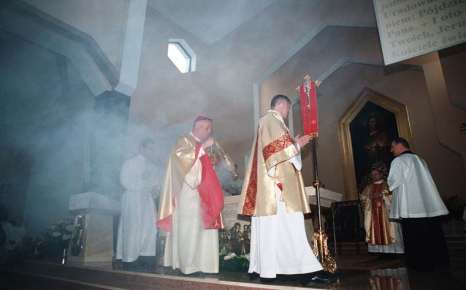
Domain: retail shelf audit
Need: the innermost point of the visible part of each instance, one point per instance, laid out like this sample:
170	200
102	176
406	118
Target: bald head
202	128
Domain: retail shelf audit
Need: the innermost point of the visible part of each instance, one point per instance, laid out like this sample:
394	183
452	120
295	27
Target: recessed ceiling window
181	55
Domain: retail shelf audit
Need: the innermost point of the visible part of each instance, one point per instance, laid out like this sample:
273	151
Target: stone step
18	280
114	279
452	242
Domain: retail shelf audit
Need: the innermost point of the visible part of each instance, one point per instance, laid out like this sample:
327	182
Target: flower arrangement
234	248
61	230
50	244
57	237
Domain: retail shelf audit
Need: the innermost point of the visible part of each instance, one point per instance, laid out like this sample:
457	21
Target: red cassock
308	104
377	203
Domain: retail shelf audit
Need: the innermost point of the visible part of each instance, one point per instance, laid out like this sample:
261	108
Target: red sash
211	194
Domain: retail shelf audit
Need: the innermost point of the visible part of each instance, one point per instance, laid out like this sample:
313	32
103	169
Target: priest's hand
303	140
208	143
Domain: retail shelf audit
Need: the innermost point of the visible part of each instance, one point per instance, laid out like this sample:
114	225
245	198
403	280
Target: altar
93	235
230	209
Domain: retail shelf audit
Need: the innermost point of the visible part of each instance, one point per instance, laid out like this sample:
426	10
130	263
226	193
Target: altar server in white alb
417	204
273	194
137	229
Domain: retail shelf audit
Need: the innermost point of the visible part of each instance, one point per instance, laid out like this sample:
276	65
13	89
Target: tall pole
317	188
316	180
308	98
328	262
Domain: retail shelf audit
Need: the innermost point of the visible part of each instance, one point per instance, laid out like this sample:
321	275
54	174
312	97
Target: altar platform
362	271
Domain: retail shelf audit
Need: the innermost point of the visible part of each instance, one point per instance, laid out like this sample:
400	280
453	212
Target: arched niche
369	105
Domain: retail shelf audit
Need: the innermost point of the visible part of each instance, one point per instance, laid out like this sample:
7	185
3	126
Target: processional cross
309	116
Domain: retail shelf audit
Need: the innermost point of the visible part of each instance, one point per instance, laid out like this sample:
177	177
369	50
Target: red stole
211	194
211	197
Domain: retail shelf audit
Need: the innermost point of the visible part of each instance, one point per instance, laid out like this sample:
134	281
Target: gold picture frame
403	125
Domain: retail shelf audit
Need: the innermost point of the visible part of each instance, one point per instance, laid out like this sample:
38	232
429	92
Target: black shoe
267	280
194	275
130	266
253	277
146	264
322	277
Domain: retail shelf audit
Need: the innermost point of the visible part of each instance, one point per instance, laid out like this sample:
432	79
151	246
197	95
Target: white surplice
137	232
189	247
415	194
279	243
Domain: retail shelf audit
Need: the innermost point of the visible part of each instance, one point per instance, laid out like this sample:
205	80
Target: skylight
181	55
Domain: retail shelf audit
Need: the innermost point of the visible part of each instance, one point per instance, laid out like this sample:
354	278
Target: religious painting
366	131
372	131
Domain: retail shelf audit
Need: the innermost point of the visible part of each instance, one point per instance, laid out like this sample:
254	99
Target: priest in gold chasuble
191	204
273	194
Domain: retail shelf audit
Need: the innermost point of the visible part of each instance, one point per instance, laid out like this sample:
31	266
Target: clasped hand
208	143
303	140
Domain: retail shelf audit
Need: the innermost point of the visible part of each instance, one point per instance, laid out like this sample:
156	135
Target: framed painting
366	131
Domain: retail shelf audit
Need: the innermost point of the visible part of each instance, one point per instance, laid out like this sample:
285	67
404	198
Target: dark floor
390	278
359	272
355	272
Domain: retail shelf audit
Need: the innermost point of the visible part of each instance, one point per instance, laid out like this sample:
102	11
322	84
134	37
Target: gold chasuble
181	160
269	167
180	163
190	209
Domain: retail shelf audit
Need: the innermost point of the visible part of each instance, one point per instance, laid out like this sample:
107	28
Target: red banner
308	102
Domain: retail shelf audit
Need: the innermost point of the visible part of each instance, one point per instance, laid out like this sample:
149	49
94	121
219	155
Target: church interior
83	83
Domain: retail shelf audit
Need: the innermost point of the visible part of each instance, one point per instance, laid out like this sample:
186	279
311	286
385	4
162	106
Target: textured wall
45	123
341	89
251	42
453	63
103	20
43	96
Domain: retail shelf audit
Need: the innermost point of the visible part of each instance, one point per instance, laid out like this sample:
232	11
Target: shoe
130	266
253	277
322	278
194	275
267	280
